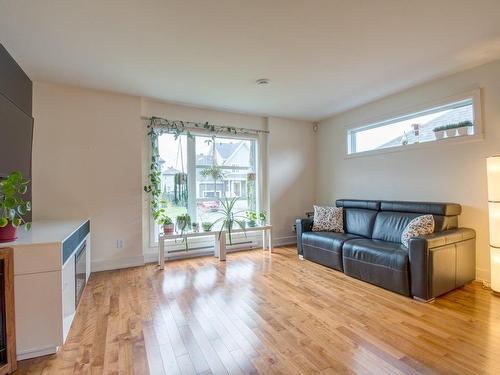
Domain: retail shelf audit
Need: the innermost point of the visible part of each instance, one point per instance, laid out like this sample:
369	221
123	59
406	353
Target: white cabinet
37	315
44	284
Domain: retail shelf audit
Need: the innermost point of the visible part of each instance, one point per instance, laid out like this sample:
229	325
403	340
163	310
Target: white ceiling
323	56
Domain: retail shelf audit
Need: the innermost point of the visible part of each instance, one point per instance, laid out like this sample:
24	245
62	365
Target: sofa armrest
442	261
301	226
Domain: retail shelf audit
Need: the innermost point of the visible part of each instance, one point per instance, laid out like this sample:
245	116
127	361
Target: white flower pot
451	133
439	134
462	130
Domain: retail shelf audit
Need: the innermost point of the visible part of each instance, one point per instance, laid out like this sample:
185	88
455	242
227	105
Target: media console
51	267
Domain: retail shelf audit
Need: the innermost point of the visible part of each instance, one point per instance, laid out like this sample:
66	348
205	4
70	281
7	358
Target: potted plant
183	222
13	207
196	227
251	218
215	172
451	130
263	217
166	222
463	127
439	132
207	226
180	189
229	219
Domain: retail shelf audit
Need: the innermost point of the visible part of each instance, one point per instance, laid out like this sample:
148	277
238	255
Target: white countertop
45	231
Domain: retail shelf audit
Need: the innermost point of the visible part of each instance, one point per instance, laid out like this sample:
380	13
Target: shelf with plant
460	128
165	222
13	207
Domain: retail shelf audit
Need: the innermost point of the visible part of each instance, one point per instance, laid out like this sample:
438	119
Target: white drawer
37	258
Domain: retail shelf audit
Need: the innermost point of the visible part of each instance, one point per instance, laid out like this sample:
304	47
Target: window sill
418	146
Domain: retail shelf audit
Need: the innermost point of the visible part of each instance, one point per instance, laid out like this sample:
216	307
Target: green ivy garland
154	176
177	128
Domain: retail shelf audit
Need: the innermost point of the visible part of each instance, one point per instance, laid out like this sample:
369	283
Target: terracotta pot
8	233
169	228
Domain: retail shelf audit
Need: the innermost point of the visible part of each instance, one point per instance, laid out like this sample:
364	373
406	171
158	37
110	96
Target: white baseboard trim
152	256
283	241
32	353
116	263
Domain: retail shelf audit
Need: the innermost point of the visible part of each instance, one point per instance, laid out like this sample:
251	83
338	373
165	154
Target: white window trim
153	240
478	135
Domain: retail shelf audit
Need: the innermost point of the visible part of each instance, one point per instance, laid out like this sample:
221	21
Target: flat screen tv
16	137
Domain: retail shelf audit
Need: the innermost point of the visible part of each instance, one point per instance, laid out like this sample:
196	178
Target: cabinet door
38	313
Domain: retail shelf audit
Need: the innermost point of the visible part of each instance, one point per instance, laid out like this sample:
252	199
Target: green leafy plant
263	217
251	218
178	128
183	222
13	207
164	219
214	172
180	189
154	176
229	218
207	227
456	125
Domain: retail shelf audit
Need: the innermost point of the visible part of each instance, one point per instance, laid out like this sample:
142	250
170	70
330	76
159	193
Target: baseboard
33	353
483	275
117	263
283	241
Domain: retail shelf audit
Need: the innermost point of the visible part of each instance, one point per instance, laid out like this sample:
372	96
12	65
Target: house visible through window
216	168
433	124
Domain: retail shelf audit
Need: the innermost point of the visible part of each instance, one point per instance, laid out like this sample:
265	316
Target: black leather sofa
371	249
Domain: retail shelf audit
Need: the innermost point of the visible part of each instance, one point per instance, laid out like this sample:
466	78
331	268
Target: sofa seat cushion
382	263
325	247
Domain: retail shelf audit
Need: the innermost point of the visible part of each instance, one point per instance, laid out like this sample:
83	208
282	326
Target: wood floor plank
261	313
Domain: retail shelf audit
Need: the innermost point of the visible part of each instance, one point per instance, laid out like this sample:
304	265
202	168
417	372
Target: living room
250	187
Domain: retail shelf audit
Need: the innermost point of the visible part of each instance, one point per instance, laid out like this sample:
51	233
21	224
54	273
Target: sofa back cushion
359	221
395	216
359	215
389	226
386	220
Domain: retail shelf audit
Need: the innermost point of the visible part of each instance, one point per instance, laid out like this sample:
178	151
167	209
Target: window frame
200	244
414	111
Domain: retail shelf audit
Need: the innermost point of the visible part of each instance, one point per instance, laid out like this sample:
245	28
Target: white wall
87	163
90	157
292	177
453	172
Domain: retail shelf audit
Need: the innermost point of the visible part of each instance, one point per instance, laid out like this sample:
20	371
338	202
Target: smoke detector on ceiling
262	81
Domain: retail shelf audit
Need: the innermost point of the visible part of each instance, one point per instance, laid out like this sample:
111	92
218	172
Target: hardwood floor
257	313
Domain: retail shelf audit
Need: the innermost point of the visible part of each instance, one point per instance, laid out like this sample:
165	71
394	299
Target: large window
216	168
450	120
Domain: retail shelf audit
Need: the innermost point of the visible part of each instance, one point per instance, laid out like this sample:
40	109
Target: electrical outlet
119	244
